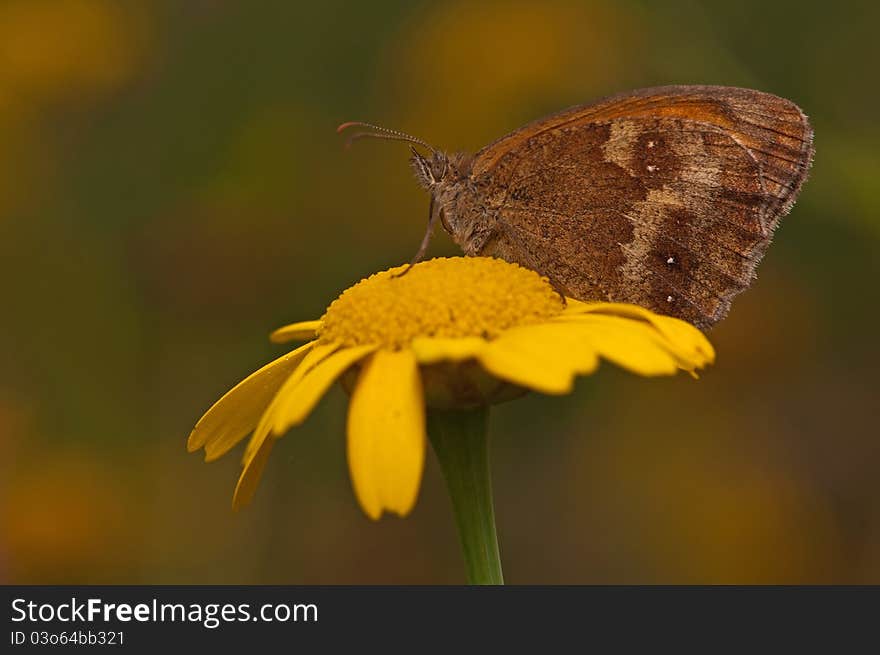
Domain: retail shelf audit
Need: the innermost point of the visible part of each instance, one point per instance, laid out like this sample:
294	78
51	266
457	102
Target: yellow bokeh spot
489	296
59	48
495	63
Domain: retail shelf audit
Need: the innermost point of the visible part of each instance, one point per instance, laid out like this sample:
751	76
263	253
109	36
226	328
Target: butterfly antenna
380	133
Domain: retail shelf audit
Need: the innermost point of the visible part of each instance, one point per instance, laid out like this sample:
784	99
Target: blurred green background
171	190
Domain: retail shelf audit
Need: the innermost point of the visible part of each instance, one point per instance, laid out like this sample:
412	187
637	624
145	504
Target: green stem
461	444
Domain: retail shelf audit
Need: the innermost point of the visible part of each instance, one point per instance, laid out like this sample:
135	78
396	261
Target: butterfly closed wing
664	197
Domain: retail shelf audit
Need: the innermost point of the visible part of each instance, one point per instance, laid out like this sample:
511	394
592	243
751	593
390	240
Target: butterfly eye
439	165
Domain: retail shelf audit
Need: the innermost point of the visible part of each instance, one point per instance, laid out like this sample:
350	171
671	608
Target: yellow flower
450	333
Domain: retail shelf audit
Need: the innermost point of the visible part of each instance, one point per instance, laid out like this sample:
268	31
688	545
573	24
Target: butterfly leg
433	214
558	288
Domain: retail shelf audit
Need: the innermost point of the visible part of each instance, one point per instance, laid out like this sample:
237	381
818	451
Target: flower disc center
444	297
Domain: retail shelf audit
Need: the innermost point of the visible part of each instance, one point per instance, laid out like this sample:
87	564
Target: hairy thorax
465	215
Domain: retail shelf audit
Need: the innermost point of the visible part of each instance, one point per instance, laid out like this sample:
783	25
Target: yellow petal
386	433
319	353
684	336
633	345
430	350
261	442
250	475
614	308
261	433
236	414
678	331
295	332
295	404
315	356
573	307
543	357
686	339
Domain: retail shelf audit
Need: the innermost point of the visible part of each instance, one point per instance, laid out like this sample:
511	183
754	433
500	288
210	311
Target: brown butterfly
664	197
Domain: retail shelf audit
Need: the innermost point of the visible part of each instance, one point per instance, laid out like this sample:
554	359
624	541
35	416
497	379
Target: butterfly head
440	170
430	171
442	175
